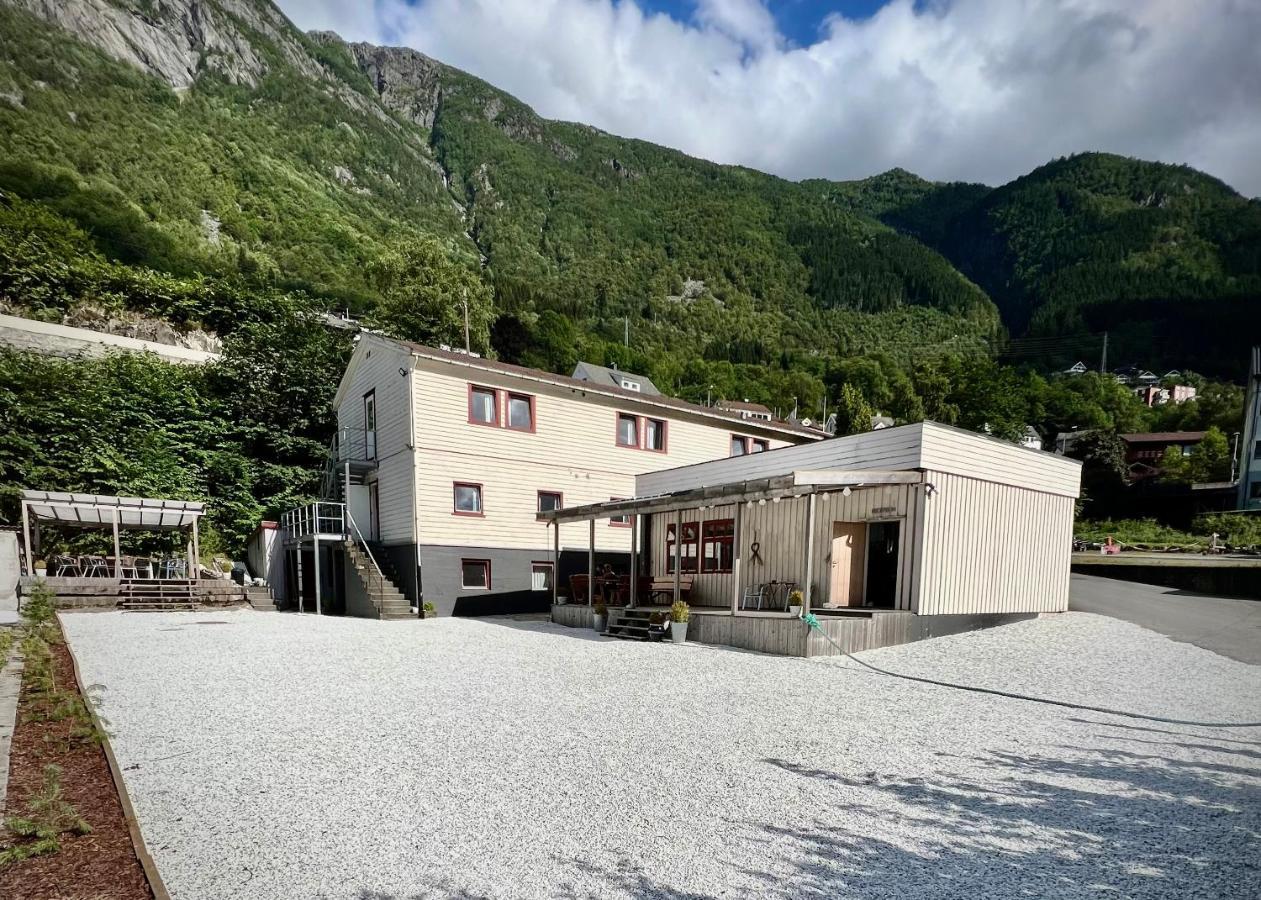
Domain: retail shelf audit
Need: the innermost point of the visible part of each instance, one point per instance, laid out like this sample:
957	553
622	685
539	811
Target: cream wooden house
446	458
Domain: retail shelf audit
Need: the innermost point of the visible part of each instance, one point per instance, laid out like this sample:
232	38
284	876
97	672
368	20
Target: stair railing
356	533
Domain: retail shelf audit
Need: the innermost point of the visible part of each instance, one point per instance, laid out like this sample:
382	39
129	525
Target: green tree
853	412
1210	458
424	292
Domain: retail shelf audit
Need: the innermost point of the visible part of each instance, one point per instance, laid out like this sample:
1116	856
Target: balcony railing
354	445
320	519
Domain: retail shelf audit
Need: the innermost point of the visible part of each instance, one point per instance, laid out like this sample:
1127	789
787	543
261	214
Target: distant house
1135	375
1155	395
746	409
1031	438
1077	368
1143	451
614	377
880	422
1065	441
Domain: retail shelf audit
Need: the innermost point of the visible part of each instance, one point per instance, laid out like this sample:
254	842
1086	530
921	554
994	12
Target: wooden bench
663	588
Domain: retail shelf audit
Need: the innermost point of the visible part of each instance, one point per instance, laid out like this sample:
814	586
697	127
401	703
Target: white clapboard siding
959	452
924	445
889	448
993	548
375	365
779	531
572	450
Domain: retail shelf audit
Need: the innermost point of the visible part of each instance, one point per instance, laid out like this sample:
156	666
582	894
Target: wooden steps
141	595
633	625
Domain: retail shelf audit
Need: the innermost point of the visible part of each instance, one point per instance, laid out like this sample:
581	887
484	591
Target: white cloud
980	90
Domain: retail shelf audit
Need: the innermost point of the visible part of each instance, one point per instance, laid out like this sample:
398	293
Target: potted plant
600	617
795	600
429	611
680	612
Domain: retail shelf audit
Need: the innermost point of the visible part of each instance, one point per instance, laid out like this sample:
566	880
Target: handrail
353	524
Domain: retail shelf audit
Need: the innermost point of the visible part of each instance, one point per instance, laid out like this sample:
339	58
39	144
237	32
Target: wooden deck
86	593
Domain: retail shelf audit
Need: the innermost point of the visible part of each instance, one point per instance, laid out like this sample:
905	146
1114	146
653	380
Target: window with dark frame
718	545
550	500
687	552
757	445
468	498
541	575
655	435
739	446
627	430
370	424
475	574
1256	451
521	412
483	405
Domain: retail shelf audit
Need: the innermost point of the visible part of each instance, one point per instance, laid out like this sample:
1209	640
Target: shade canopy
96	511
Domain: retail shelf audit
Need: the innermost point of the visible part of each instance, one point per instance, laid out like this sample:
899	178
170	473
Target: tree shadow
1076	824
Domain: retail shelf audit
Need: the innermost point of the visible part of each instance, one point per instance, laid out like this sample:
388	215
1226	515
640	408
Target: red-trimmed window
483	405
475	574
624	521
757	445
541	575
467	498
520	412
717	545
687	552
627	430
655	435
550	500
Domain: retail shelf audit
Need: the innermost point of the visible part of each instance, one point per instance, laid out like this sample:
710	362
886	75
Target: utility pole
1103	360
465	302
626	333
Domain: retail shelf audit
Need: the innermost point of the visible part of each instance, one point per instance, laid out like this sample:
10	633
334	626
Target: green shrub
680	611
48	816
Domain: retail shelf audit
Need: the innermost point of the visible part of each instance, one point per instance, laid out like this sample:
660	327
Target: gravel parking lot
272	755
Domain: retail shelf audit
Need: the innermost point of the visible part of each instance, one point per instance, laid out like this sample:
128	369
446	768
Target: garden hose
813	622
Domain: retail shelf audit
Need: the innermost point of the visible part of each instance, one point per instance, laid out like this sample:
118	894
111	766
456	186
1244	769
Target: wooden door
849	547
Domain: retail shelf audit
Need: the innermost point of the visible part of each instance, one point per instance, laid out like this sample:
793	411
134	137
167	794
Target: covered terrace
115	515
740	549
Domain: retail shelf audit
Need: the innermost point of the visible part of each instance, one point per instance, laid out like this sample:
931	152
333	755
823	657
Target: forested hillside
208	165
1164	258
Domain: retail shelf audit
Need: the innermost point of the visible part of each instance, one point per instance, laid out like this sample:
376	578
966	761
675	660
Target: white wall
375	366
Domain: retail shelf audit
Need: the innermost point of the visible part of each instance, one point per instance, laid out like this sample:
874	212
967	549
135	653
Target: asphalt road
1225	625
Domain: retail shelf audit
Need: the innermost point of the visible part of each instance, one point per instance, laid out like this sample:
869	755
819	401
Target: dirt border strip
129	813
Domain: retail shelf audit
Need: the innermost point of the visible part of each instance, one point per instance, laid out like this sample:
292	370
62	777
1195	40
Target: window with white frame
623	521
630	385
550	500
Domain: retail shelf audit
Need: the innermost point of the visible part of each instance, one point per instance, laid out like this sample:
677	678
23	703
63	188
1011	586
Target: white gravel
280	756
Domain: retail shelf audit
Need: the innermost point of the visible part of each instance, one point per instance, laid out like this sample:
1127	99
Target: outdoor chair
94	566
144	567
127	567
754	595
66	565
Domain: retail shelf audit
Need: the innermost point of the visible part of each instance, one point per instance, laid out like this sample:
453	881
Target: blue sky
798	20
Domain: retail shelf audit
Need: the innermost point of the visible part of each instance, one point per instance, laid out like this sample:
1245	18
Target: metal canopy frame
802	483
118	514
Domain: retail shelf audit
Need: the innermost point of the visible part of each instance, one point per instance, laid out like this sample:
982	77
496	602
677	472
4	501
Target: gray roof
586	371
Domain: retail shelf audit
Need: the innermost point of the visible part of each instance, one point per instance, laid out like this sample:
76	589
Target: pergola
114	513
797	484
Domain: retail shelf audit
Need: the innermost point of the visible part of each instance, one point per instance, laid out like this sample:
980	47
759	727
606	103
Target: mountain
211	139
1166	259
